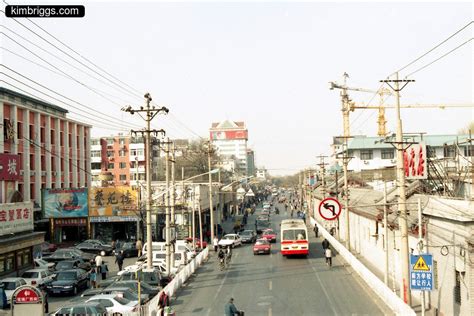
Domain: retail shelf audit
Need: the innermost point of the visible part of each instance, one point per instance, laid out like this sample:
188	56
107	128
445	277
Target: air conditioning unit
43	173
54	173
32	173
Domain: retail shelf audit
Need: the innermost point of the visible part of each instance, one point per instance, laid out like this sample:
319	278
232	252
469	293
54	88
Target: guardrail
151	308
396	304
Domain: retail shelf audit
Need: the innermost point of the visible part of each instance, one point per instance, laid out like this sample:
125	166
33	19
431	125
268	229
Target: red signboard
238	134
414	162
9	167
27	295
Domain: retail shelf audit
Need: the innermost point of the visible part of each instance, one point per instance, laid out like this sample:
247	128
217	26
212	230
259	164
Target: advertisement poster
113	201
9	167
59	203
414	162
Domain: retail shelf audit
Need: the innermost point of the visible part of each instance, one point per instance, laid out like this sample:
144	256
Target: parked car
150	276
37	277
129	249
248	236
78	263
95	248
197	242
133	285
269	234
43	264
230	240
93	308
10	285
48	248
69	254
127	293
116	304
262	246
68	282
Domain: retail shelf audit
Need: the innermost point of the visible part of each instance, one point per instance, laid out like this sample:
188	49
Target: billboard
414	162
58	203
9	167
113	201
16	217
239	134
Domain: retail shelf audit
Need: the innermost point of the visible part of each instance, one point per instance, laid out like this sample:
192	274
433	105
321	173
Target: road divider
396	304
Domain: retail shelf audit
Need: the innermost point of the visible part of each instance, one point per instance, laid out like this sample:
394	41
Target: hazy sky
266	63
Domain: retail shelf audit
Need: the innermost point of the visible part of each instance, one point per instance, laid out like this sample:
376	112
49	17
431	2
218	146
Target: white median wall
386	295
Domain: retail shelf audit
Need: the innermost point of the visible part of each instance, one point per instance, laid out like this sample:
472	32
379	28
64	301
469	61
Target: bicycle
222	264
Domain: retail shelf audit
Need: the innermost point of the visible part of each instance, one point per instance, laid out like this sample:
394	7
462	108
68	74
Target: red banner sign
242	134
27	295
414	162
9	167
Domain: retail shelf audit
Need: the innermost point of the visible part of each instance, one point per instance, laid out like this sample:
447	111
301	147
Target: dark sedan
129	249
68	282
145	288
68	254
78	263
95	248
248	236
81	308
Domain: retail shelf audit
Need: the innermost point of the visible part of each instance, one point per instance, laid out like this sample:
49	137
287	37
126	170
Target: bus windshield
294	234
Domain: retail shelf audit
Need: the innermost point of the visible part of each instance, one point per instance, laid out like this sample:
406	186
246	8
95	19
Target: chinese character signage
414	162
16	217
9	167
421	272
27	295
58	203
113	201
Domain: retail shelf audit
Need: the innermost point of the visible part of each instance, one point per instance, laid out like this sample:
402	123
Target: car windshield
246	232
66	276
228	237
268	232
29	275
64	265
9	285
122	300
294	234
262	242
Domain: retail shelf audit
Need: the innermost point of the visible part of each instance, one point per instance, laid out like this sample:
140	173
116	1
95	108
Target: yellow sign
113	201
421	265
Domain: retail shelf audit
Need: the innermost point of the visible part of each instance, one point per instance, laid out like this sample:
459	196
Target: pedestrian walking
230	309
93	277
316	229
328	255
139	246
215	243
119	260
325	244
98	261
103	270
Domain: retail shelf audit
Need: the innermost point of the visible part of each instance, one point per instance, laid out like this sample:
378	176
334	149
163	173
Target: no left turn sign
330	209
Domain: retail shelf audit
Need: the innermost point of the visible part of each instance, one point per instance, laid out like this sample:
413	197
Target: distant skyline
265	63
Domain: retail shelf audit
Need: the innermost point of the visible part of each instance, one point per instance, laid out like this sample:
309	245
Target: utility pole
385	226
173	202
167	209
322	166
402	208
150	113
139	211
211	208
420	251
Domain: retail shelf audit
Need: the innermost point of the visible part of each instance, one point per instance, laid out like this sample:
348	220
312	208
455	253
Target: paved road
275	285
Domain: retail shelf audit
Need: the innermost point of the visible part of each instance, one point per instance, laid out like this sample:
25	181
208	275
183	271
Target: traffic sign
330	209
421	272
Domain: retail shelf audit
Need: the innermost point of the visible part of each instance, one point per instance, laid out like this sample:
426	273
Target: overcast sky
267	64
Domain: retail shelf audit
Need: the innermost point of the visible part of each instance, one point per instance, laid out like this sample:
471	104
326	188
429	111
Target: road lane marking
270	285
331	302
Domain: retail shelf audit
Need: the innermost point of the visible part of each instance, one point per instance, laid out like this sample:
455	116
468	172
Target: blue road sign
421	272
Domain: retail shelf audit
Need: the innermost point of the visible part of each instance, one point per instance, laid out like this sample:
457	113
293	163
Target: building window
110	166
123	177
388	154
61	138
69	141
42	135
457	287
122	141
123	165
110	153
32	162
32	133
366	154
449	151
52	136
95	153
94	142
19	130
469	151
110	141
122	153
95	165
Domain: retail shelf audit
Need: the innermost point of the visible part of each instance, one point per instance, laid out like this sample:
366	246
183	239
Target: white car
37	277
10	285
42	264
116	304
230	240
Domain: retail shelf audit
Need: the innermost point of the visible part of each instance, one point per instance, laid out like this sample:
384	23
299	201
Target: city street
275	285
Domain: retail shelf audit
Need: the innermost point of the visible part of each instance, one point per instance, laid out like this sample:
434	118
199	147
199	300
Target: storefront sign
414	162
27	295
59	203
16	217
9	167
70	222
113	201
108	219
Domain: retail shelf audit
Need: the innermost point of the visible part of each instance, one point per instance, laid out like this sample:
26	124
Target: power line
447	39
441	57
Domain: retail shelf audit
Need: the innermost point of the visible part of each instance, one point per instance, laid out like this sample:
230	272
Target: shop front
68	231
108	228
18	242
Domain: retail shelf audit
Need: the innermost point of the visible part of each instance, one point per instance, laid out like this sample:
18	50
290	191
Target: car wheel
75	290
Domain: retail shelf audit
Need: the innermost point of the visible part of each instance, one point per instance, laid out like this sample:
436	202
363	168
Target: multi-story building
230	140
40	148
250	162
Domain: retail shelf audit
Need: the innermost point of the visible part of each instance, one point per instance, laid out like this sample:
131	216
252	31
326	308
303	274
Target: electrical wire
441	57
432	49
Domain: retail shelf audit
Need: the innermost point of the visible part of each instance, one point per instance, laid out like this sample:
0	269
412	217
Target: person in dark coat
325	244
119	260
